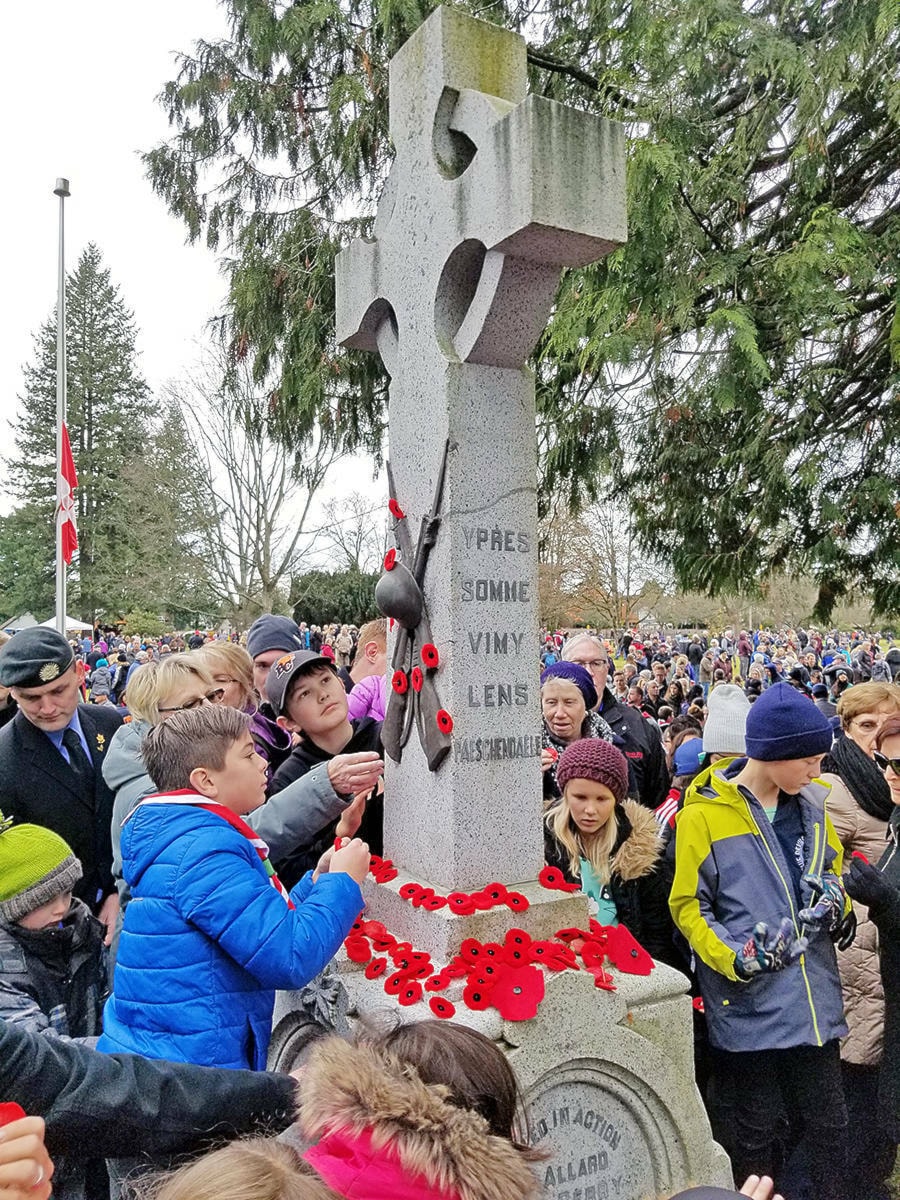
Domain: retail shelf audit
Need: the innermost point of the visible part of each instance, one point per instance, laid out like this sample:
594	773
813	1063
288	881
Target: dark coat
639	883
305	756
39	786
117	1105
641	744
887	921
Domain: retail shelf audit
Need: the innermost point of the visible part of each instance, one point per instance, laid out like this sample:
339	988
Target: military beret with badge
34	657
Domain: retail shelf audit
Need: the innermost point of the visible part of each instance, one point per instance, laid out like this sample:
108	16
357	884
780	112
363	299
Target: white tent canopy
25	621
71	623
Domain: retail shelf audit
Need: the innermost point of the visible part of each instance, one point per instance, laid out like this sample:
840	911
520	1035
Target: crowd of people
187	821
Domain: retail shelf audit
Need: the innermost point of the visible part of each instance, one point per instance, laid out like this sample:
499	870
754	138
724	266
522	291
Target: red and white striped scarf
186	797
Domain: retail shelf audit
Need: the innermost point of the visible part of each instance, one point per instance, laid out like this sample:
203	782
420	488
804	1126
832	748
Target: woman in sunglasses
879	889
860	807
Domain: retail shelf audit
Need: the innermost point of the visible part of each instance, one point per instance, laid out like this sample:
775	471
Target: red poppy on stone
373	929
482	901
488	970
461	903
570	934
437	983
553	879
399	682
383	942
626	953
395	510
394	983
399	949
376	967
444	721
492	950
602	979
411	993
390	559
518	992
433	903
517	937
497	891
516	901
425	894
385	874
386	862
420	970
592	956
409	891
477	997
416	678
551	955
374	862
471	950
442	1008
356	927
516	955
457	969
430	656
358	949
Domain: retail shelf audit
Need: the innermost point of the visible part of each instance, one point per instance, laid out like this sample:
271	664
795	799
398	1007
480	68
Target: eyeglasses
595	663
214	697
881	760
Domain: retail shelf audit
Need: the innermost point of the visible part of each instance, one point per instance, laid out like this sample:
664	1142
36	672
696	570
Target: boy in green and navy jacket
758	895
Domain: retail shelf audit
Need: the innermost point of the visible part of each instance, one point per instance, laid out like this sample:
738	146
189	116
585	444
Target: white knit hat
724	730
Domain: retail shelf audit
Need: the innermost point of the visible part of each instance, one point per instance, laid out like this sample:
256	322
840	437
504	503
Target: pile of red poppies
507	976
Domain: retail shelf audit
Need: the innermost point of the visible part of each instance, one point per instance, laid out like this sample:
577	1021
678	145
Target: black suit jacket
39	786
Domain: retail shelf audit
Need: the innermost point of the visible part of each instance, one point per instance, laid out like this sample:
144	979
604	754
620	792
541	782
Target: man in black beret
51	754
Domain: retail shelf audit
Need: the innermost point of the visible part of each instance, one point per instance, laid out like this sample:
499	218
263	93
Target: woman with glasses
879	889
231	668
860	806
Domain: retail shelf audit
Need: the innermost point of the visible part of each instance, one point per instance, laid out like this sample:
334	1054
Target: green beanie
36	866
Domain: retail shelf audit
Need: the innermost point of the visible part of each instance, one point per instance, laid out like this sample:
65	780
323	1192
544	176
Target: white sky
78	83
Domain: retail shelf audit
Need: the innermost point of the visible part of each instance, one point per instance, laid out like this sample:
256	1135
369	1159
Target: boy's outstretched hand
352	773
25	1166
352	859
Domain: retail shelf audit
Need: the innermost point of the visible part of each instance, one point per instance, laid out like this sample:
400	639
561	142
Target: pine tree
137	509
733	370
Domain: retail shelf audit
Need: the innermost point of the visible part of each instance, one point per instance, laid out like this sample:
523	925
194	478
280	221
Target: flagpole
61	190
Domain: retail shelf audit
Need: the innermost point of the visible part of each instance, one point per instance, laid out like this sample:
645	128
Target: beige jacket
858	965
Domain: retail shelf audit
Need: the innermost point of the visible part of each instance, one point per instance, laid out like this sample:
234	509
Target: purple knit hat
593	758
573	673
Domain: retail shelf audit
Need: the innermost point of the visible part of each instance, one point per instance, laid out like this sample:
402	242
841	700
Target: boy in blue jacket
211	933
758	895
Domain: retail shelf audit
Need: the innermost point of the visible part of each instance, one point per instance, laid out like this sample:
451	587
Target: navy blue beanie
783	723
270	632
573	673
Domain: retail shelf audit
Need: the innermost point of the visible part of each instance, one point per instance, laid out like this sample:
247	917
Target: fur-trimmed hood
381	1131
639	847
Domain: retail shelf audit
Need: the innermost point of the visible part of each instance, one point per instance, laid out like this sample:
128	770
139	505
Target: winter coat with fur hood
380	1131
640	879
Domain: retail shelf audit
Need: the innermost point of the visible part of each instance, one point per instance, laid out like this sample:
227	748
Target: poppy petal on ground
518	992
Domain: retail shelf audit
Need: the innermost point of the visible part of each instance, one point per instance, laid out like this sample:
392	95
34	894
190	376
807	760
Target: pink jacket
368	698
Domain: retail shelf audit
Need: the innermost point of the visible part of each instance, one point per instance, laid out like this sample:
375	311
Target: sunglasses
214	697
881	760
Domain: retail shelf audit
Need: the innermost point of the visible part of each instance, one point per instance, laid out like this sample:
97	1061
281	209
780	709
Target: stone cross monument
492	193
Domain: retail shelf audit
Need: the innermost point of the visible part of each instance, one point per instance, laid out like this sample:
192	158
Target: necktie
78	760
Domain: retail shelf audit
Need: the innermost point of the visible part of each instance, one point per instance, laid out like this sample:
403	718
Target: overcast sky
78	86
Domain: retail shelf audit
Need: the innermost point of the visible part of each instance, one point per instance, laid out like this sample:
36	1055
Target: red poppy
430	656
395	510
518	992
416	678
399	949
487	971
383	941
386	862
425	894
461	903
553	879
390	559
553	752
356	927
376	967
592	956
516	955
374	862
358	949
603	979
516	901
492	950
570	934
471	950
409	891
697	1002
624	952
477	997
444	721
483	901
517	937
399	682
373	928
394	983
442	1008
456	969
420	970
551	955
496	891
437	983
338	842
385	874
433	903
411	994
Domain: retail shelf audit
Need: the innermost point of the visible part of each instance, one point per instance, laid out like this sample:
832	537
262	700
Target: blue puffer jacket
730	872
207	939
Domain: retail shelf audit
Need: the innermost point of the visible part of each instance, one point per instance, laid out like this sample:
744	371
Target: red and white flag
66	483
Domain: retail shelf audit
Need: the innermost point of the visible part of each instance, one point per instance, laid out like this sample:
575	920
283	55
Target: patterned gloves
764	952
826	912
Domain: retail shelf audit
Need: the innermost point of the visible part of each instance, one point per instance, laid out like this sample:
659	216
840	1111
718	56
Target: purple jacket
368	698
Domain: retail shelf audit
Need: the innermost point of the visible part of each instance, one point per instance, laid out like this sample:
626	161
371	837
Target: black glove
764	952
866	884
